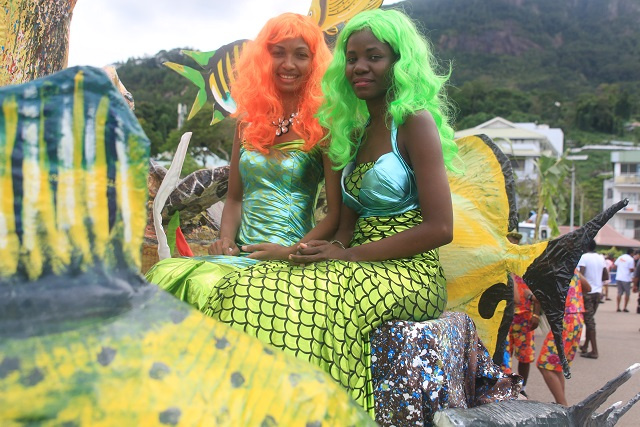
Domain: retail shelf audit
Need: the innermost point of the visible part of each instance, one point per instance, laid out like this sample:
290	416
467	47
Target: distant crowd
588	289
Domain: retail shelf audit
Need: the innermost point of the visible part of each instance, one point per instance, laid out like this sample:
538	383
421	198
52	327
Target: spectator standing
625	266
593	267
636	278
543	221
608	259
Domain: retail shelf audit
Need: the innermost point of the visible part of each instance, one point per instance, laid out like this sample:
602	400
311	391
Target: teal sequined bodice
279	193
387	188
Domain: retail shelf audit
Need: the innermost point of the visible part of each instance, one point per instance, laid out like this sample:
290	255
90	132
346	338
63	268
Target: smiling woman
277	163
369	65
291	60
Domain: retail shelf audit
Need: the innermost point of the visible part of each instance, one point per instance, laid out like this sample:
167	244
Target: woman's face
291	61
369	65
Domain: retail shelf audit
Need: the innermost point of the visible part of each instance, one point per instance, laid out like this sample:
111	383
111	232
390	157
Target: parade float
85	340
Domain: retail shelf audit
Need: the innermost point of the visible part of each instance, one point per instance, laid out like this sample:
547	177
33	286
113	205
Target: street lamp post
573	192
573	185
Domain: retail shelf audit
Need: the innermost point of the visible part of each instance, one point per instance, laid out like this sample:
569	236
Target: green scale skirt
324	312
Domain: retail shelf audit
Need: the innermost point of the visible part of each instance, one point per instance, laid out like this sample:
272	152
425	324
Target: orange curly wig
254	92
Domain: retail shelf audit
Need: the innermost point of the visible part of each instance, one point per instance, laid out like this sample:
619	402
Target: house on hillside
523	143
625	184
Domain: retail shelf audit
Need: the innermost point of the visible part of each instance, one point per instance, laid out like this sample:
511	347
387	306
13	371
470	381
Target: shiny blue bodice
279	193
387	189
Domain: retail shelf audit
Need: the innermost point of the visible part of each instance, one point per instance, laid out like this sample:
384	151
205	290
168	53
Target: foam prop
213	80
181	242
477	261
167	186
331	14
474	263
529	412
115	79
84	339
34	37
194	193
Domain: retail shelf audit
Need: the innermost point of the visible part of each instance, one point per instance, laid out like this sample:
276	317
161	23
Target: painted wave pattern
72	176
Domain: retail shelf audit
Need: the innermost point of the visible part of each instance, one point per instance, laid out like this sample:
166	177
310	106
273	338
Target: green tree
206	140
551	176
526	189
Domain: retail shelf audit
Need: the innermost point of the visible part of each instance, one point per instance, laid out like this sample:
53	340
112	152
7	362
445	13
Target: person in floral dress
548	361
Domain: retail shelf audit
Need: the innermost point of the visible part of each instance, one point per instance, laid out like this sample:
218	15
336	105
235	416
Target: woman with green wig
388	128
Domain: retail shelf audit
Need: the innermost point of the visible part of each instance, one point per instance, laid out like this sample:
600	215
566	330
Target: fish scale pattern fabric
281	184
324	312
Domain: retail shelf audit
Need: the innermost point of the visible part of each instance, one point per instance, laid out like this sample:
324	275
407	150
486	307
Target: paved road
618	338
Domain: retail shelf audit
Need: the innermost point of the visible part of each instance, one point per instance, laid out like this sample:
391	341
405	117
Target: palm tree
551	175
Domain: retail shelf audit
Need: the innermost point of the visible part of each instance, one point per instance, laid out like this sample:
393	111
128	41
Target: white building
625	184
523	143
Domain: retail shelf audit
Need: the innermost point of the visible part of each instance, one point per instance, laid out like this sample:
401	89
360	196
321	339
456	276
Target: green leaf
174	223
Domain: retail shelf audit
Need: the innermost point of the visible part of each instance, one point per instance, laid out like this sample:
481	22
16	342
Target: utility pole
573	187
182	113
573	191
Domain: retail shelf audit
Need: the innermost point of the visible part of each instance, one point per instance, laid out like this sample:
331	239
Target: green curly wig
415	86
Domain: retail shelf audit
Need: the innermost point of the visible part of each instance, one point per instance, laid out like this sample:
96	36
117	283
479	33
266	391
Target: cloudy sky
108	31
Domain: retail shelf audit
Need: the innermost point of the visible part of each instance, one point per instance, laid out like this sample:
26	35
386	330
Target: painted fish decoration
213	80
84	340
330	14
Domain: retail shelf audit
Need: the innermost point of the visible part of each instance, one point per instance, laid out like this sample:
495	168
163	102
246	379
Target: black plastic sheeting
528	412
549	275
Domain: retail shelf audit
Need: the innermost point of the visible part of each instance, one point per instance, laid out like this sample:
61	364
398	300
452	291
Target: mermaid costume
279	197
324	312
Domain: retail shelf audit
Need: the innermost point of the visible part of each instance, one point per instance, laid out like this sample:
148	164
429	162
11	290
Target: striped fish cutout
213	80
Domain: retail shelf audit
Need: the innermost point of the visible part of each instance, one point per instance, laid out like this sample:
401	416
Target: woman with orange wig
277	161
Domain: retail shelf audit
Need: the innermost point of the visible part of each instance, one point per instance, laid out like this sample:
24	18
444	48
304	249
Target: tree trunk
34	36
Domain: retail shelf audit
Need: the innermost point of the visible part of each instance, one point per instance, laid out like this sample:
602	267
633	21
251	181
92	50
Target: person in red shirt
526	317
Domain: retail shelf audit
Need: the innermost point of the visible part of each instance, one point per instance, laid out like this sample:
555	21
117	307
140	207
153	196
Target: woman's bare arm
231	214
424	150
327	227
